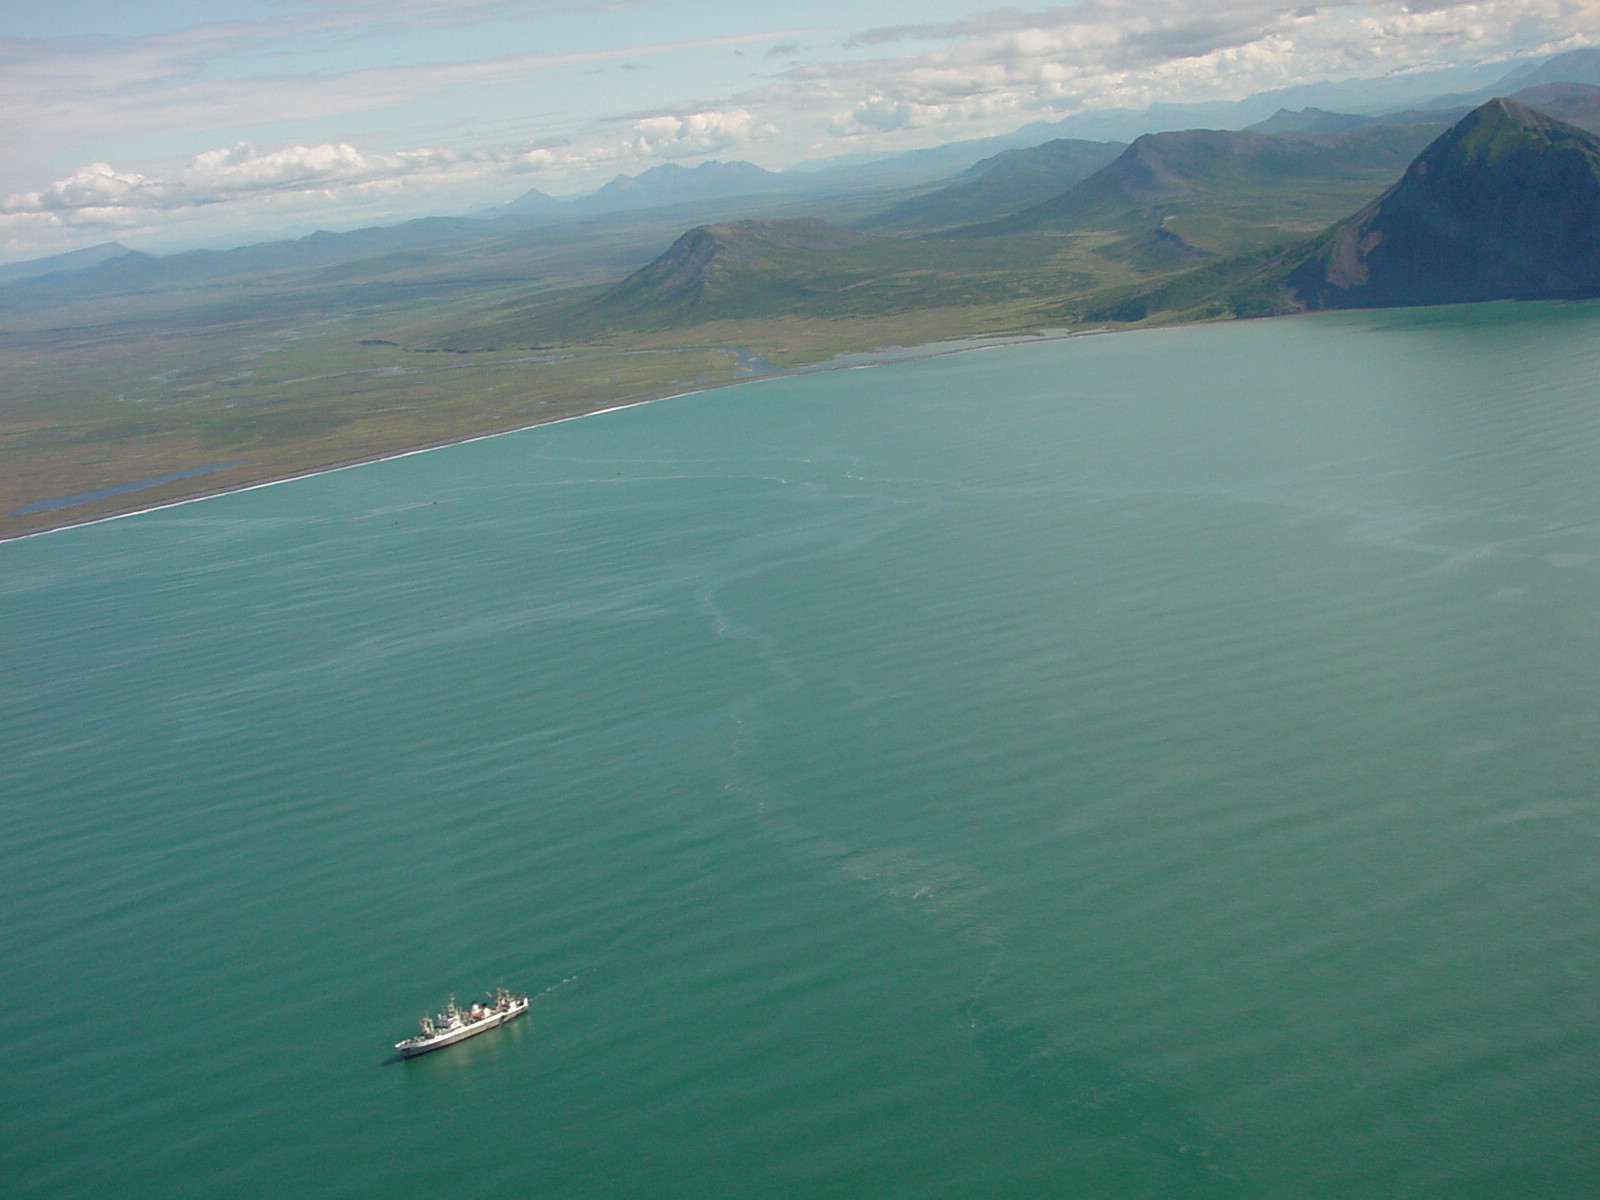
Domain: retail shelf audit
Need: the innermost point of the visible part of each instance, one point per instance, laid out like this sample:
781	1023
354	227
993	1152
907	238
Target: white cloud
102	195
1007	61
696	134
99	194
219	173
1118	53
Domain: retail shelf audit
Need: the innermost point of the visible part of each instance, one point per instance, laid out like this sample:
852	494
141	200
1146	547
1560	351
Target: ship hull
461	1033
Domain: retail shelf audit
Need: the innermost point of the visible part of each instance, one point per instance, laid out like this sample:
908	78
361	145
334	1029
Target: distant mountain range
114	268
1104	212
674	184
1576	103
72	260
1505	203
1308	121
1575	66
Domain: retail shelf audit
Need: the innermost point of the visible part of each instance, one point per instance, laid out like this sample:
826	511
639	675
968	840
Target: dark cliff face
1503	206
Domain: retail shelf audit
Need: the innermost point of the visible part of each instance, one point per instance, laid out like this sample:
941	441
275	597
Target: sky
166	123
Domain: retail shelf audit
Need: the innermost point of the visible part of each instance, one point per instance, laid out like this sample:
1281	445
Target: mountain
1004	183
659	187
72	260
910	168
134	271
801	267
1419	89
1348	96
1504	205
1223	191
1575	103
1575	66
1308	120
707	261
743	271
1029	190
534	203
674	184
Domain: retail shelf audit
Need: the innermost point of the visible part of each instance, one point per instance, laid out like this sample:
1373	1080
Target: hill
704	267
748	271
1505	205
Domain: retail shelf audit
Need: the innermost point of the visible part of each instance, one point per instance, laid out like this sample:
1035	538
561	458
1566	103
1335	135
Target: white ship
457	1024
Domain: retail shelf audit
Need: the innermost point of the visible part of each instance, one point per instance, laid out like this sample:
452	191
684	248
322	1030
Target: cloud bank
1113	53
220	175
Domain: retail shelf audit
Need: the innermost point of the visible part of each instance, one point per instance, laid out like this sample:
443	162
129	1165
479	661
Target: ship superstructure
457	1024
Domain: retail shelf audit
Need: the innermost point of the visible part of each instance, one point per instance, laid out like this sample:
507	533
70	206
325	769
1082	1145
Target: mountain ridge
72	260
1159	168
1006	182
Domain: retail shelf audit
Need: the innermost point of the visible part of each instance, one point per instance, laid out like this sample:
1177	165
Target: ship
457	1024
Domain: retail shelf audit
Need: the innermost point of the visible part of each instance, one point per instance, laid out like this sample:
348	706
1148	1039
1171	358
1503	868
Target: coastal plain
142	381
295	357
285	378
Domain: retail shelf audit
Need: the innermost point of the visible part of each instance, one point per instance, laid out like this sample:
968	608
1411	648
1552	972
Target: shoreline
883	356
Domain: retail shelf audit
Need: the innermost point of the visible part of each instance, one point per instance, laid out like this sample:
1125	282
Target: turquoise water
1160	765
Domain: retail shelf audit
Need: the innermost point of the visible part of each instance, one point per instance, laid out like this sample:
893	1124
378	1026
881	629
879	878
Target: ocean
1152	765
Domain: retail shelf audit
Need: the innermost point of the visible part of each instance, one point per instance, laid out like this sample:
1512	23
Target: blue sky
172	122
